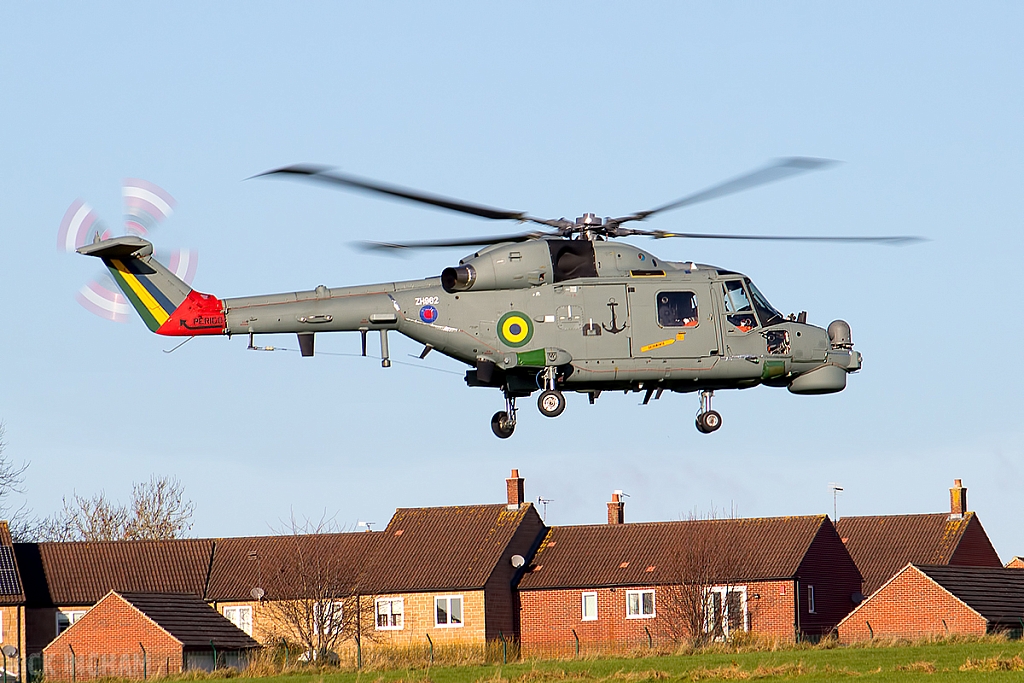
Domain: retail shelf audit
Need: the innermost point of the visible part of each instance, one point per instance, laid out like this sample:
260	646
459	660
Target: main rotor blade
779	170
468	242
892	240
324	175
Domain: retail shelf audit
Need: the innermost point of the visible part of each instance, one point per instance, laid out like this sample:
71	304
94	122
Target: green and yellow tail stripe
154	307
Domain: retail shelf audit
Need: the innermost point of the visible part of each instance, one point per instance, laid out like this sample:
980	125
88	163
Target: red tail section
197	314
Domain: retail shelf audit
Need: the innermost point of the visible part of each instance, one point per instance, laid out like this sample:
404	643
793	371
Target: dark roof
882	545
190	620
442	548
280	565
10	584
996	593
658	553
82	573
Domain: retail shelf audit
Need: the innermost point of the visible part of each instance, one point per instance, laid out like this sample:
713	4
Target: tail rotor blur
145	206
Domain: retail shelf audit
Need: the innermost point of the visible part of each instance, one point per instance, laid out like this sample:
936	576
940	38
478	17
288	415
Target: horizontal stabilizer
118	248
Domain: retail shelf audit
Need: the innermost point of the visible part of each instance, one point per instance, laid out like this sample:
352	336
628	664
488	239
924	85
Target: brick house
64	580
451	571
921	601
881	545
137	635
12	602
623	584
1015	563
446	571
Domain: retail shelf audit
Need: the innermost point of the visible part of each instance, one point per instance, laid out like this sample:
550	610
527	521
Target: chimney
957	500
516	490
616	514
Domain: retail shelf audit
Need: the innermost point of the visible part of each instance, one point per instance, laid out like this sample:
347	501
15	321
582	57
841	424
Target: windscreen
765	311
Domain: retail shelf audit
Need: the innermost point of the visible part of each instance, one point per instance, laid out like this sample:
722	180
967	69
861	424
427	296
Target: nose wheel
708	420
503	422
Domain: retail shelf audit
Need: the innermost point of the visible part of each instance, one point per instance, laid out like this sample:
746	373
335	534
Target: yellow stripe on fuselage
140	291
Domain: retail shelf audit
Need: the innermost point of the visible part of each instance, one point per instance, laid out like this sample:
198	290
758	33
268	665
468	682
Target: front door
672	320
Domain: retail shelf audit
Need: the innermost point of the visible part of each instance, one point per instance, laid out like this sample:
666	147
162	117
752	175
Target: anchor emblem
613	329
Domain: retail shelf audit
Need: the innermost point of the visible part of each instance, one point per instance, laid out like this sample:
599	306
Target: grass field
987	659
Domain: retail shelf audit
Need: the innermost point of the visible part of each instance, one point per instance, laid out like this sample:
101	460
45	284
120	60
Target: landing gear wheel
551	403
501	425
709	422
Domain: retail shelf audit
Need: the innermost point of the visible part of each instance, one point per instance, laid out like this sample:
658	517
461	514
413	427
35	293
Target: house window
66	618
327	617
810	600
448	611
240	616
726	611
390	614
639	604
590	607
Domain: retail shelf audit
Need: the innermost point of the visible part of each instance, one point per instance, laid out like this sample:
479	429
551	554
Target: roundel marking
515	329
428	314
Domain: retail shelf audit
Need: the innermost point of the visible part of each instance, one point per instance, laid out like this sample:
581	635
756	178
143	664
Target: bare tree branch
158	510
702	602
313	592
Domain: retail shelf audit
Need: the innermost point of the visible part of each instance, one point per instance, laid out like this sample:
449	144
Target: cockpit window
738	310
765	311
677	309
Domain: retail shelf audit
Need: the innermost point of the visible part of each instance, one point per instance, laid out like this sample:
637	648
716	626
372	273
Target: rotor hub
589	219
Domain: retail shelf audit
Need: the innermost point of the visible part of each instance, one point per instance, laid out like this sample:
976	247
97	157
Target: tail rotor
145	206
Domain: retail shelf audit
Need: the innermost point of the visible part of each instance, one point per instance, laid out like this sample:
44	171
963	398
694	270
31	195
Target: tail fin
166	303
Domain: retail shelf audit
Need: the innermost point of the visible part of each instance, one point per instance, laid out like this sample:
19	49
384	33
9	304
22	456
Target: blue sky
552	108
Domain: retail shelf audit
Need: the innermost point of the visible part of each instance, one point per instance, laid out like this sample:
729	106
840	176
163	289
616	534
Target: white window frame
583	606
337	617
72	616
448	600
390	602
640	603
238	621
724	592
810	600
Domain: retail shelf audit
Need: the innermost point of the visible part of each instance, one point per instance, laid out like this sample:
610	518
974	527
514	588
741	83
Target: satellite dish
518	561
257	593
10	650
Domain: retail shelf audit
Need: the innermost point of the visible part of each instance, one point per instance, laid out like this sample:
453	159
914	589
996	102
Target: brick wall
106	643
910	606
827	567
501	600
419	621
548	617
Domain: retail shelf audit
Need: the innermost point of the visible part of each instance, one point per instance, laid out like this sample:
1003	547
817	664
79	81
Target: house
444	571
250	577
881	545
922	600
64	580
620	584
12	602
451	571
1015	563
138	635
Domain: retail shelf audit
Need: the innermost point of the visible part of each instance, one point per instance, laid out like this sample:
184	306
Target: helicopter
560	308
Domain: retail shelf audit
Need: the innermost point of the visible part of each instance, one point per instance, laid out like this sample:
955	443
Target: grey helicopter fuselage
591	315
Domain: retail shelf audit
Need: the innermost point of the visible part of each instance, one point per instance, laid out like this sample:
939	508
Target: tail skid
165	303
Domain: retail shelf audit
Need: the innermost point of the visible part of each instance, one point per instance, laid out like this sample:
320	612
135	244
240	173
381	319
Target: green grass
986	659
